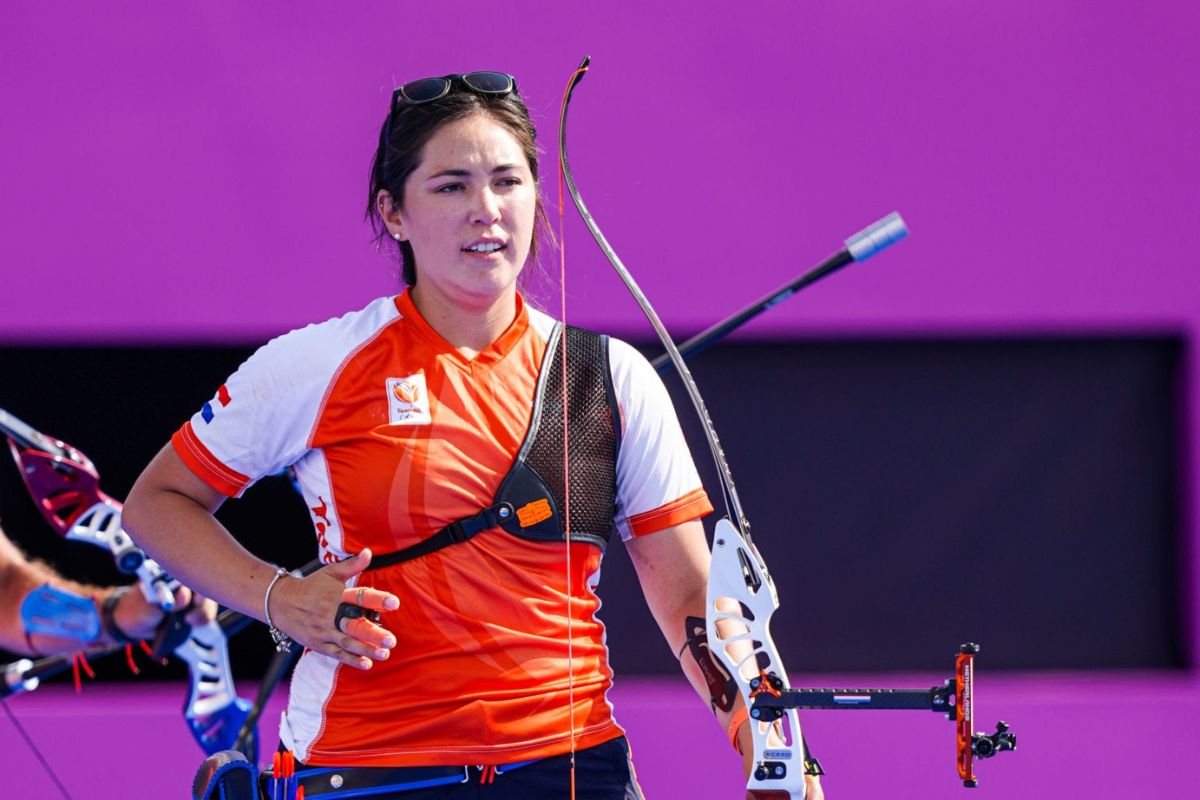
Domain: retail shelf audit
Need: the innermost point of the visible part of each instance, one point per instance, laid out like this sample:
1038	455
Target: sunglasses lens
424	90
489	82
429	89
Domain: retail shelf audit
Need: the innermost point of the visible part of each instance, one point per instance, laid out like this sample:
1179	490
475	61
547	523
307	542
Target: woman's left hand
306	610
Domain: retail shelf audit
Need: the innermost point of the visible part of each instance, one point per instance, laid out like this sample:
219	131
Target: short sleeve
264	417
258	422
657	483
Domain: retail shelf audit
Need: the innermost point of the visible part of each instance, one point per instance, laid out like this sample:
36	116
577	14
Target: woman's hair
402	139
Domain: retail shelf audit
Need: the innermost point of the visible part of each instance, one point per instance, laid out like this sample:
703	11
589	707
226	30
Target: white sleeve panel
263	417
654	466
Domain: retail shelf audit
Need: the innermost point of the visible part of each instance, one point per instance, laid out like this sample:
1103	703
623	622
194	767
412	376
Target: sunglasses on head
426	90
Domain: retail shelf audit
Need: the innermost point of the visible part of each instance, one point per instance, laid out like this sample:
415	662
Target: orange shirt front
393	434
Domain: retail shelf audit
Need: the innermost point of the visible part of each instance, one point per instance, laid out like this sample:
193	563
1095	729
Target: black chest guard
532	499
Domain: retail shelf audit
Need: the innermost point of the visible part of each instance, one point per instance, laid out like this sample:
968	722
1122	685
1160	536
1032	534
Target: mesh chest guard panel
593	437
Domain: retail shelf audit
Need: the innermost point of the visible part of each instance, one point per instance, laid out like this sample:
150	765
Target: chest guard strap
532	497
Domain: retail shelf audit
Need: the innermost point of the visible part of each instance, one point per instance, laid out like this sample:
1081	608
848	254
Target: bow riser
741	600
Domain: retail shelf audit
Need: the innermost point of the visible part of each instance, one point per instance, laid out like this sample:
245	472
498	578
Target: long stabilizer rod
871	240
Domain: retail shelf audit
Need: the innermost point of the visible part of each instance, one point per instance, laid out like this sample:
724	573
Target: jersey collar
491	354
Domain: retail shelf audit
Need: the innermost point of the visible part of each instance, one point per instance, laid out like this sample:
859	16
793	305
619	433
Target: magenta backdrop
194	171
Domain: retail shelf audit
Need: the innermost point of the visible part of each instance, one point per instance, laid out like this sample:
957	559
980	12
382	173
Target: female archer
466	459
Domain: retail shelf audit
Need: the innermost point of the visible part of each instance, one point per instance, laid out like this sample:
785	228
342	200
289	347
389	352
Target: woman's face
468	213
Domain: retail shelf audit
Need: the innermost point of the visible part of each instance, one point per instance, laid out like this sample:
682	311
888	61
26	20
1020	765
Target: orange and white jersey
393	434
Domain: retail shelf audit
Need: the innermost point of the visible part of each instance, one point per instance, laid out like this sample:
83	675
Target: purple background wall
194	171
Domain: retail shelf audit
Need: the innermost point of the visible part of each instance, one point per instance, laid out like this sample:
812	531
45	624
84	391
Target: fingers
311	611
200	610
361	642
184	597
373	599
205	611
380	639
365	628
137	618
345	650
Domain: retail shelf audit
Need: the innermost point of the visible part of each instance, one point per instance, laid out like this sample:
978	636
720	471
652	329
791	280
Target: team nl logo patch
408	402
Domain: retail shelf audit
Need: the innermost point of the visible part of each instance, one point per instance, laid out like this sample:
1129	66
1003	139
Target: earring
396	236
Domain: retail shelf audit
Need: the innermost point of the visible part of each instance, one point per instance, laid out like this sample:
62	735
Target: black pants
603	772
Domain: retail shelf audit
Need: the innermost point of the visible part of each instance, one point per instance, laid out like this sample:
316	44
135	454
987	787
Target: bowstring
562	285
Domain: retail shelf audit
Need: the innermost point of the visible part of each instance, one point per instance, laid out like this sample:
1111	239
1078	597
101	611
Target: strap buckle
457	532
491	517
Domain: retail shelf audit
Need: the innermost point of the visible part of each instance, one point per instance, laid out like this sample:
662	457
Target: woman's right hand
305	609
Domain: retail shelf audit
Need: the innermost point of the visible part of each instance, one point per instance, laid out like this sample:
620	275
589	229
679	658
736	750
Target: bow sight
770	699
